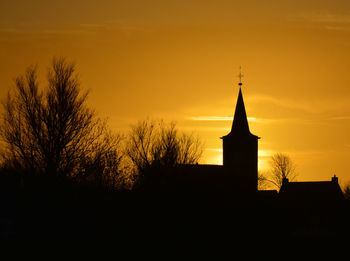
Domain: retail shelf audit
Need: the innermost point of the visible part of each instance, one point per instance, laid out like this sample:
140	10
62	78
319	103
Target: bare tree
346	191
281	167
263	182
141	145
153	146
53	132
102	164
190	149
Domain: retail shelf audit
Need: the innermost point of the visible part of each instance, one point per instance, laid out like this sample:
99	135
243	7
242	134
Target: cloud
283	103
290	111
205	128
250	119
339	118
39	28
265	153
336	28
261	153
8	30
334	105
329	21
323	17
215	118
214	149
20	30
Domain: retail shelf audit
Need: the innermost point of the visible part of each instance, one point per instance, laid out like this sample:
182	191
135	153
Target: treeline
49	133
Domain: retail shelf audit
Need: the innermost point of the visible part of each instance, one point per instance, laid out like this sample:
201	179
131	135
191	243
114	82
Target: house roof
311	191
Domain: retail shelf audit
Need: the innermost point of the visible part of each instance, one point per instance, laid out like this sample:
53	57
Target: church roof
240	121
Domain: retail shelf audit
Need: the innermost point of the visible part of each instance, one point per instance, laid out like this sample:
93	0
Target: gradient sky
178	60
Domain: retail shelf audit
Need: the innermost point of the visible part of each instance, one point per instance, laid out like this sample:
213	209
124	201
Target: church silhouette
239	172
302	209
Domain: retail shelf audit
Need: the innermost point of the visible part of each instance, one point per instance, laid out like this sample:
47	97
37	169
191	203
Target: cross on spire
240	76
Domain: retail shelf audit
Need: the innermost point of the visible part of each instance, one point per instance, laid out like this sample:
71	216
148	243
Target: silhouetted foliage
281	167
154	146
53	132
346	191
263	181
102	165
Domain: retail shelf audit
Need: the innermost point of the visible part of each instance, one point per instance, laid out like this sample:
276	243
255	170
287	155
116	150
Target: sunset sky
179	60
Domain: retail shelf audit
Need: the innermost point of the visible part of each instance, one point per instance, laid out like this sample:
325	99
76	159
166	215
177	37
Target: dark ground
38	215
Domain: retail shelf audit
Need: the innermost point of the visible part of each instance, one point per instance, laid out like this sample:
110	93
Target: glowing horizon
263	158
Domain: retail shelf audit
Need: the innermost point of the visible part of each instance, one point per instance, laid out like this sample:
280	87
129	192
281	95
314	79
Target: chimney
335	179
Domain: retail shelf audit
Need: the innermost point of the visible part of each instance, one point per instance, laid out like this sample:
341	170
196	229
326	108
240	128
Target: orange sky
179	59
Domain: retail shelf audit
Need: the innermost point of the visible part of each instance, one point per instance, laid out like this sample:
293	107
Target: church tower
240	150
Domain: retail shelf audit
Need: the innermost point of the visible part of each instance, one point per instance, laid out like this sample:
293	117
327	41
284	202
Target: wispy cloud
325	17
335	105
261	153
8	30
95	26
205	128
250	119
83	28
339	118
329	21
42	31
283	103
265	153
215	118
336	28
214	149
295	111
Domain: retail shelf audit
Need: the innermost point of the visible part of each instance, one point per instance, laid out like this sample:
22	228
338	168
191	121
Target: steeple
240	121
240	148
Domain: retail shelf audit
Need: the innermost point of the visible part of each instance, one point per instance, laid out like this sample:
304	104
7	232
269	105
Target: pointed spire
240	121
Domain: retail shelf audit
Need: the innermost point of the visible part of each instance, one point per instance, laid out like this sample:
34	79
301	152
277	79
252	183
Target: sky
179	60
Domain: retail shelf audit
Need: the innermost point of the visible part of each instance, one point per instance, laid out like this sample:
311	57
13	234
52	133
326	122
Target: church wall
240	158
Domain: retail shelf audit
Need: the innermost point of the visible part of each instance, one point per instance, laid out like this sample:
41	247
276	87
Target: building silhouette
240	150
311	191
298	210
238	176
239	173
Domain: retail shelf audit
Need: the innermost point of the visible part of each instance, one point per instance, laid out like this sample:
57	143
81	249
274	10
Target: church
297	210
239	173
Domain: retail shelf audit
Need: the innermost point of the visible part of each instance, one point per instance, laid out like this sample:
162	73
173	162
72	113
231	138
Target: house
311	191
